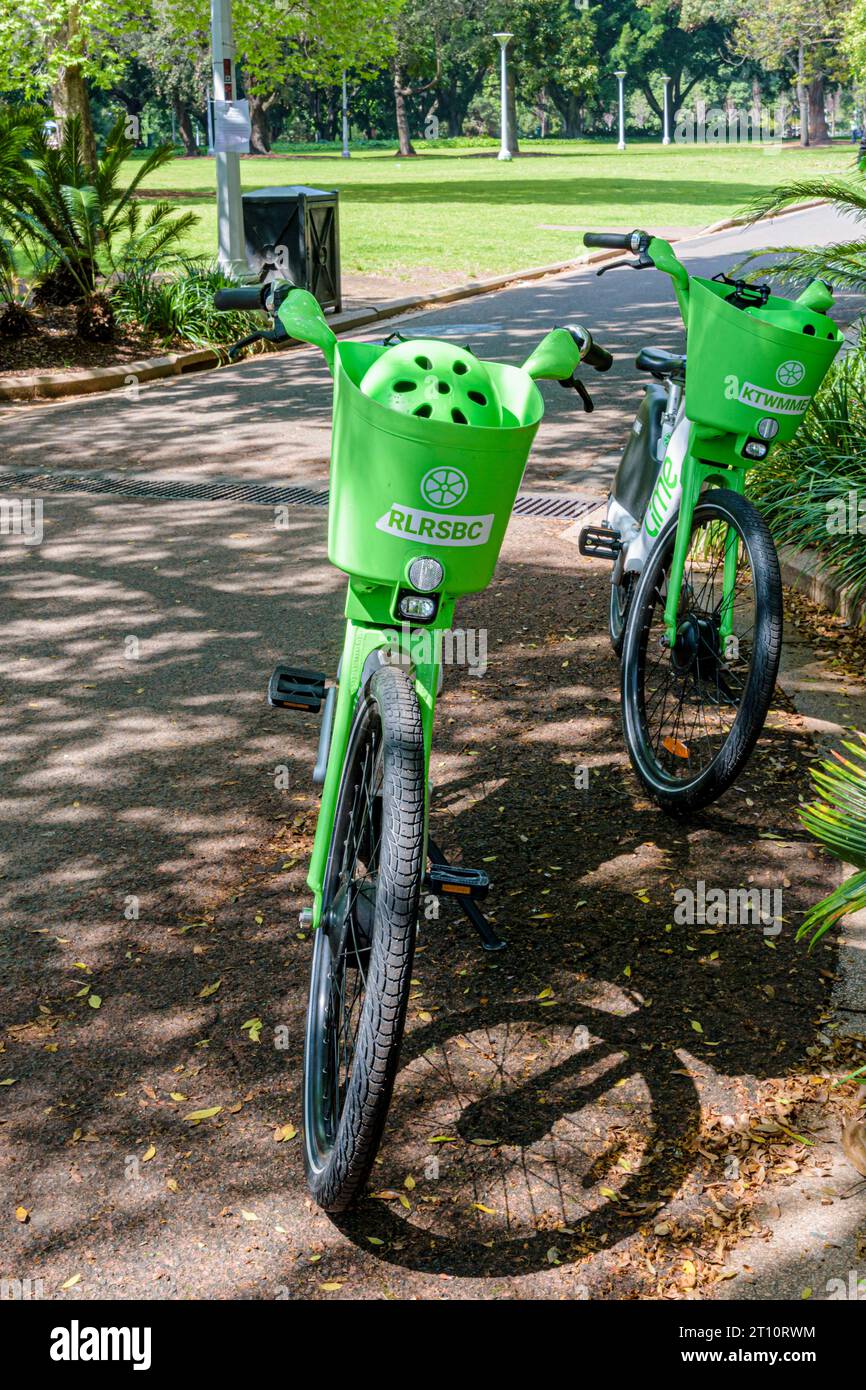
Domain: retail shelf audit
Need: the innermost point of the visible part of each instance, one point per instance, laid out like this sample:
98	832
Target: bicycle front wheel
693	712
362	958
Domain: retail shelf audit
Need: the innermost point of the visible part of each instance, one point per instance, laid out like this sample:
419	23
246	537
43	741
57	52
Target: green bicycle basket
405	483
754	370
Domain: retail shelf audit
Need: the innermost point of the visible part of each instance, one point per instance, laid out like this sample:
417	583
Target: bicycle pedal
290	687
599	541
457	880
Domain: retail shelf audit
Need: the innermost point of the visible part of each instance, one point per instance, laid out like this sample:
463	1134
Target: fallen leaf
22	1214
196	1116
151	1153
209	990
71	1282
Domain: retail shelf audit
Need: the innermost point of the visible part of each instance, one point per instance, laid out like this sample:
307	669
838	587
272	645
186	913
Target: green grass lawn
460	211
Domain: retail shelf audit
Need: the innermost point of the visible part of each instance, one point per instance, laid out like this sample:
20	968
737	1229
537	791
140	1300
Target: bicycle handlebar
615	241
241	298
598	357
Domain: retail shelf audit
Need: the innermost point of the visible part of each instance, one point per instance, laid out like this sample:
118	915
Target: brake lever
573	383
277	334
641	262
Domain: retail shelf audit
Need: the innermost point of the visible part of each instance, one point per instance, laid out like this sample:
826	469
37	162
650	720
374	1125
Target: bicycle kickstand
467	887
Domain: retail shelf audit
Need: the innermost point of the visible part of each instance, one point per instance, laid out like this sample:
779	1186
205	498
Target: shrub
83	226
180	304
805	483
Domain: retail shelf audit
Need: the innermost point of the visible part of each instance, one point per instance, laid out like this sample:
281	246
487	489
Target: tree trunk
260	128
69	98
802	97
183	120
818	134
404	139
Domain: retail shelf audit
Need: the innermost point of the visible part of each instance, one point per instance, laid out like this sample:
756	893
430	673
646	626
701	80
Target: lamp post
230	222
620	75
345	119
666	137
504	40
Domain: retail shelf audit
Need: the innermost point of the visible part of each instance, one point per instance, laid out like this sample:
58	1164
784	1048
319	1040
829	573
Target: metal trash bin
294	231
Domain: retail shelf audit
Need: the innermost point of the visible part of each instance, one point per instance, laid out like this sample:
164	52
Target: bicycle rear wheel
362	957
693	712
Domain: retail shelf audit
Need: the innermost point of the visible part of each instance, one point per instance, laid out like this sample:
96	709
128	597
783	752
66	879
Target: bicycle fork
694	477
418	649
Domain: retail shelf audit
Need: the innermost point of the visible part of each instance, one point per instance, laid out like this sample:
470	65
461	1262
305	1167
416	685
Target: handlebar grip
240	297
616	241
599	358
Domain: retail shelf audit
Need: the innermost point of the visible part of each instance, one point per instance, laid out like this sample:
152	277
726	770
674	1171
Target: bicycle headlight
425	574
417	607
756	449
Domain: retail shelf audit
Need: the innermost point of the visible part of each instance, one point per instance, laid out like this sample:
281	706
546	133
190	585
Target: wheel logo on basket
790	373
444	487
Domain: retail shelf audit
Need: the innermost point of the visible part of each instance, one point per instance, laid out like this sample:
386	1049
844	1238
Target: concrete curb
809	574
53	385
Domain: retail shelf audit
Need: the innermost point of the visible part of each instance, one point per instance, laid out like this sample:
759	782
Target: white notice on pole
231	120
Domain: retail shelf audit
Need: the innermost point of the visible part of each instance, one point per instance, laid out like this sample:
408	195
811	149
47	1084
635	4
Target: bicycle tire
679	796
343	1125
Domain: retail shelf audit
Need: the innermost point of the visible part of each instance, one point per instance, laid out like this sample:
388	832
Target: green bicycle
696	593
429	447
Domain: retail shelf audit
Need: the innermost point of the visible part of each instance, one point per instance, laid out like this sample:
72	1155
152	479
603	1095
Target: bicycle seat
662	364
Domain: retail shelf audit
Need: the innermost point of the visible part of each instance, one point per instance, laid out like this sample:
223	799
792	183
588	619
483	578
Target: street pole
620	75
346	154
230	225
504	40
666	138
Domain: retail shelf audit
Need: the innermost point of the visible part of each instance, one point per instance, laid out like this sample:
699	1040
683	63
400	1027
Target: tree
802	37
854	38
57	47
656	36
799	38
555	55
315	41
178	65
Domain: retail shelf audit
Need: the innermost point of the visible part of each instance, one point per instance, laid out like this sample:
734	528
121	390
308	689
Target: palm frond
838	820
846	196
841	264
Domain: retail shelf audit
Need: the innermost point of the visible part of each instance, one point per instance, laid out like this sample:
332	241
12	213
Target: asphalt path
269	418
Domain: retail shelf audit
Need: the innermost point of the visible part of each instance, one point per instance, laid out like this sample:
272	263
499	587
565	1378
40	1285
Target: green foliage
180	305
854	38
804	488
841	263
315	41
87	225
838	820
40	39
18	128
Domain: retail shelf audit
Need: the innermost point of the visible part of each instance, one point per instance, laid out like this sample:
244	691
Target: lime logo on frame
444	487
790	373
